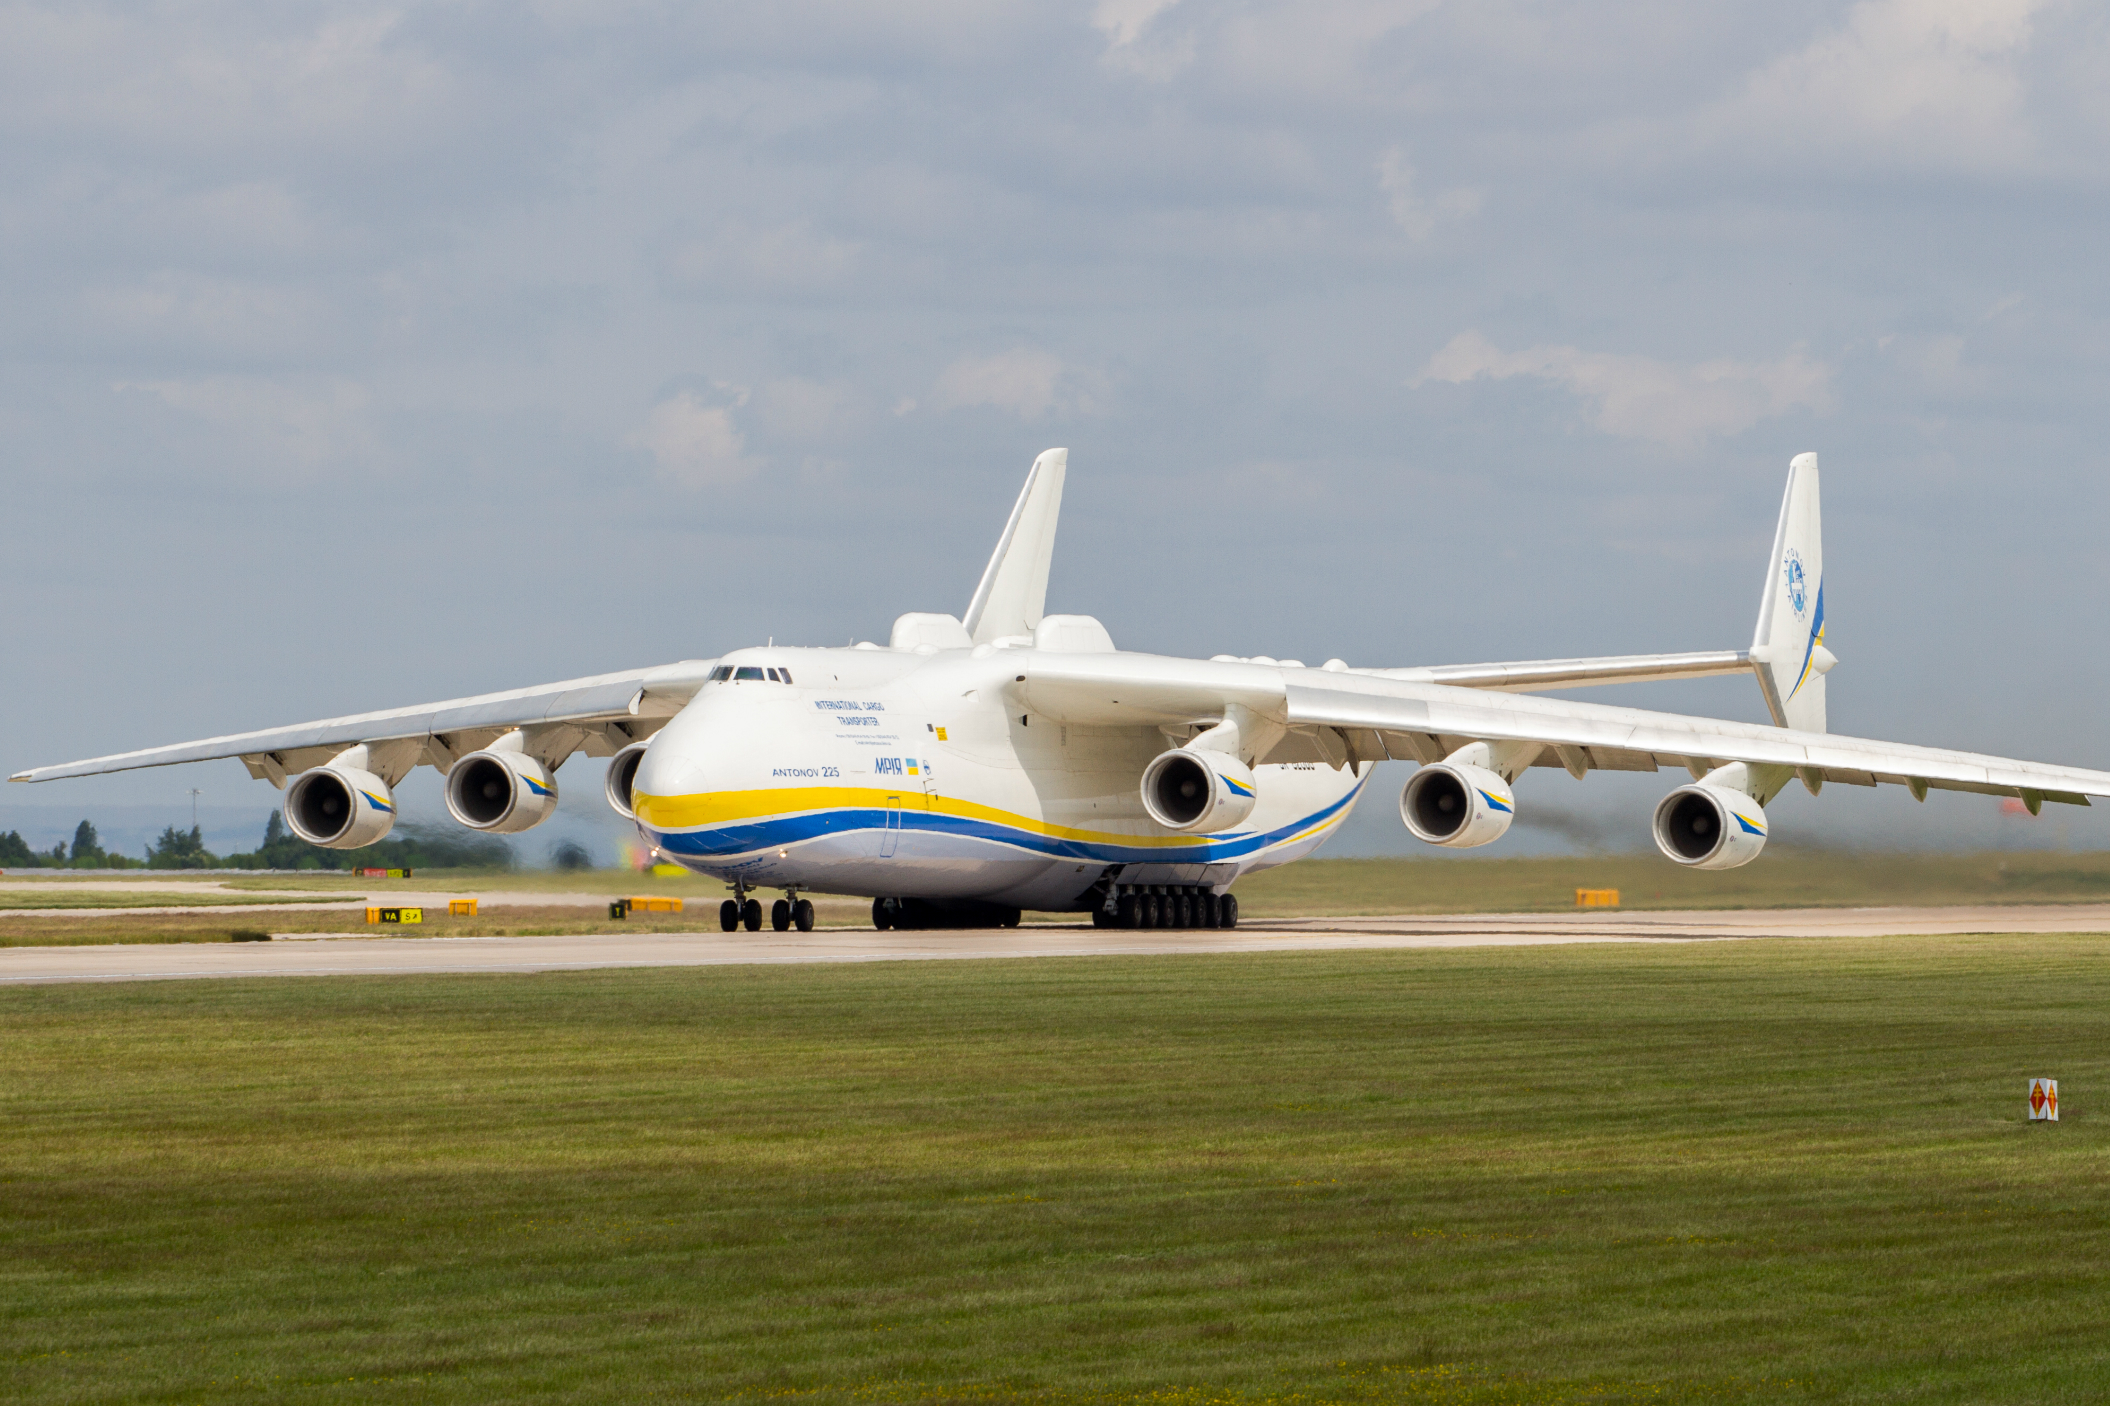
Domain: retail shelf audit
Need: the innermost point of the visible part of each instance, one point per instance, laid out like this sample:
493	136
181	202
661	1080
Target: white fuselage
889	773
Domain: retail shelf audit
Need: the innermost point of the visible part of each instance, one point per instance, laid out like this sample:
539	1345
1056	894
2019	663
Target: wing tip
29	776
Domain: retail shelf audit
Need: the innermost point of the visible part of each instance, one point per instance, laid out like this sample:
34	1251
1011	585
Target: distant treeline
412	847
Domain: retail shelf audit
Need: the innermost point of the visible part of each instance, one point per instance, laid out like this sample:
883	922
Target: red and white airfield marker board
2044	1100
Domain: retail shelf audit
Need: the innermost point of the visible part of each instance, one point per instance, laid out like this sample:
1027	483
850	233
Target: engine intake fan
1193	789
500	791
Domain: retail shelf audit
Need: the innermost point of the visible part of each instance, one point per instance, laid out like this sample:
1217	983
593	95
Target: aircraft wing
1530	676
1348	717
599	714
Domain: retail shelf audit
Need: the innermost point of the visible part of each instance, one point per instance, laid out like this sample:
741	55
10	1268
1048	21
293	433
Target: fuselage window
747	672
723	671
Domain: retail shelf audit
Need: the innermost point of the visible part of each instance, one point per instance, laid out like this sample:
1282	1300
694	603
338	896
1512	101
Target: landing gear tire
729	915
1147	911
1100	919
1126	913
802	915
882	914
1209	911
780	915
751	915
1230	912
1186	911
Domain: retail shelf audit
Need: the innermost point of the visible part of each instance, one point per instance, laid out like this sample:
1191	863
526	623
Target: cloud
1929	83
1644	399
1025	381
1134	46
696	444
780	257
1417	215
1123	21
301	424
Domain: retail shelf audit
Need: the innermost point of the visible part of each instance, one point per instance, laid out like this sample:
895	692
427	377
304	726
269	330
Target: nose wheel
791	912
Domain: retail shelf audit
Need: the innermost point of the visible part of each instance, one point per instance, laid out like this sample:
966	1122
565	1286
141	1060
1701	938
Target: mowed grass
1780	878
68	897
1759	1170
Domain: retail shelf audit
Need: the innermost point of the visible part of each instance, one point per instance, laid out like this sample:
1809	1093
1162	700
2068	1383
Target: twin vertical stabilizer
1789	647
1014	591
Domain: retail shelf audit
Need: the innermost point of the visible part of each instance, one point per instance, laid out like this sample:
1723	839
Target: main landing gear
789	910
1167	906
741	911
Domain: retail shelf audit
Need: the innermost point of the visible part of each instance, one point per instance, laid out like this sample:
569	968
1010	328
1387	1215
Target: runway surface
350	954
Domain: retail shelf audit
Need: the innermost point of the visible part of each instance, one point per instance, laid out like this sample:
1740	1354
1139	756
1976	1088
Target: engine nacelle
339	807
500	792
1194	789
622	776
1456	804
1710	827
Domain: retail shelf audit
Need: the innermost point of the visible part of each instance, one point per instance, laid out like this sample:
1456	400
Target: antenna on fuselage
1013	594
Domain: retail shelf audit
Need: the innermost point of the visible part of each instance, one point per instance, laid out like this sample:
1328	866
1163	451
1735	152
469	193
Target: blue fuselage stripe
778	831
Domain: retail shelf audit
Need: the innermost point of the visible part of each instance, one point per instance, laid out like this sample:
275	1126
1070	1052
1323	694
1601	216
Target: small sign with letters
2044	1100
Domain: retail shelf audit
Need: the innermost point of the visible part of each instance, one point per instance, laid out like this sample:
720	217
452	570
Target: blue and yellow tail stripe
730	823
1809	651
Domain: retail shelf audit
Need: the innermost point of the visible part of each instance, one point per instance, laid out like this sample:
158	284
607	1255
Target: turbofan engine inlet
500	792
1189	789
1457	804
339	807
1710	827
622	777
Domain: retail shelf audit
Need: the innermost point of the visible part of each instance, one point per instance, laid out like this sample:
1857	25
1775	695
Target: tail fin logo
1798	584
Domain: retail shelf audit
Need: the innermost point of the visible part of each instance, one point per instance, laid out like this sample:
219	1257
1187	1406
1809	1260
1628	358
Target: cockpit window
773	677
747	672
723	671
787	675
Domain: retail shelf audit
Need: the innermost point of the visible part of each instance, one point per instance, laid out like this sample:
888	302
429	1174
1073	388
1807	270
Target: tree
181	850
87	845
15	852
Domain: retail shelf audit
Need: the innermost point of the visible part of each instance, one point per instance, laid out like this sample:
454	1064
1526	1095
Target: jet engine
500	791
1193	789
622	775
1710	827
1457	804
339	807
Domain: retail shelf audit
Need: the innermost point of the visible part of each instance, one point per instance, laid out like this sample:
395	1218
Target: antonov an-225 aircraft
978	765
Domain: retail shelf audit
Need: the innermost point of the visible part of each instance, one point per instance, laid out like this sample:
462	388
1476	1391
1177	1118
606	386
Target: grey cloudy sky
359	355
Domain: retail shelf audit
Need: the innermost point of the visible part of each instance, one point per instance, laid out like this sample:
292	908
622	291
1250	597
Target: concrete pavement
353	954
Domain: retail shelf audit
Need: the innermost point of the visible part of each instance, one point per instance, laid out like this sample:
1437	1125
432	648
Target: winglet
1014	590
1788	650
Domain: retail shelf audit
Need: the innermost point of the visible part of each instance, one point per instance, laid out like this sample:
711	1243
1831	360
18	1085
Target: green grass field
68	897
1760	1170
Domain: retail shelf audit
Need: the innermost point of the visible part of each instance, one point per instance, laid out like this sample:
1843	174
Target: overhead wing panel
455	725
1359	701
1530	676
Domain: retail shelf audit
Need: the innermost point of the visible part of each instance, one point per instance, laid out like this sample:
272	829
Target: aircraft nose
668	771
